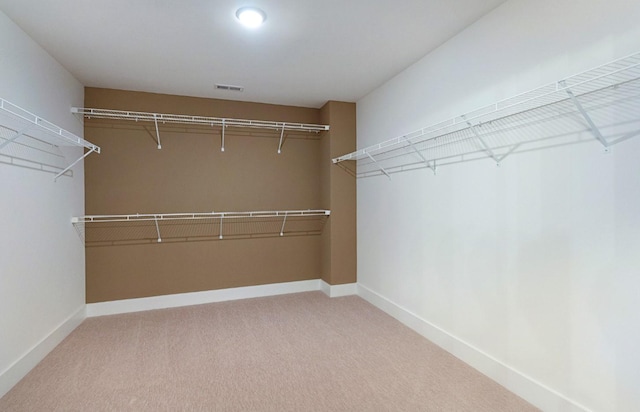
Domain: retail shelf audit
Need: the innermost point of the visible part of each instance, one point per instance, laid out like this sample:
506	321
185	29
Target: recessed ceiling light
251	16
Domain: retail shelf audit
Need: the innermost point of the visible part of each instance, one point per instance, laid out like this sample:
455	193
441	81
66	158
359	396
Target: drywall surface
41	257
535	263
191	174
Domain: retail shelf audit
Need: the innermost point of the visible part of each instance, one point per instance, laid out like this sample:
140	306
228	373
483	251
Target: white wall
529	271
41	257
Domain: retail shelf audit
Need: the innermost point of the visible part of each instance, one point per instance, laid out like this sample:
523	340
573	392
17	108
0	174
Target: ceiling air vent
229	87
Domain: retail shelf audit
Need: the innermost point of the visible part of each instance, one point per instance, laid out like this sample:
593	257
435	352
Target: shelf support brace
486	149
426	162
281	137
14	138
594	129
66	169
223	127
221	217
157	228
377	164
513	149
283	222
155	120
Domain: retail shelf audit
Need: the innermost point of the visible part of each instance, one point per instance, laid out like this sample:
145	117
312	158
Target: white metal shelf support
93	149
377	164
224	126
594	129
484	144
416	151
284	125
157	229
284	221
25	123
93	113
14	138
155	120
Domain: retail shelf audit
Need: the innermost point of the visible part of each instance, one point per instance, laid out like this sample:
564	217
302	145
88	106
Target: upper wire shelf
223	123
21	127
602	104
101	230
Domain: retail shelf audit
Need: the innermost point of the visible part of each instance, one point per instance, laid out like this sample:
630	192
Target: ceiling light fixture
251	17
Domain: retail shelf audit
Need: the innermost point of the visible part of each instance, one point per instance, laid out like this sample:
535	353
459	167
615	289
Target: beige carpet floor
301	352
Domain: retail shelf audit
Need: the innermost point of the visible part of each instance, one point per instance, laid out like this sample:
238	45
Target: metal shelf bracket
281	137
155	120
283	223
66	169
380	167
158	229
14	138
425	161
224	126
594	129
484	144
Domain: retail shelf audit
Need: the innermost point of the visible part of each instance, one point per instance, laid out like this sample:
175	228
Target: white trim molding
336	291
517	382
19	369
198	298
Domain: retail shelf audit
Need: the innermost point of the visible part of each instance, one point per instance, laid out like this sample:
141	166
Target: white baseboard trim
517	382
19	369
199	298
336	291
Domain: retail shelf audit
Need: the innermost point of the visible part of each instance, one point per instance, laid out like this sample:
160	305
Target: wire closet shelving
222	123
30	132
602	104
102	230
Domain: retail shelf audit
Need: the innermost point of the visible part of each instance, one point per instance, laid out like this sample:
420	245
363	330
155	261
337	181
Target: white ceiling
307	52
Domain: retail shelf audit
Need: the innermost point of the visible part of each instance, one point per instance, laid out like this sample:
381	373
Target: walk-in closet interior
462	177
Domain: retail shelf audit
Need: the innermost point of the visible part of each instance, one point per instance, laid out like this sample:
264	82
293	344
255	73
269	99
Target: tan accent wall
338	193
191	174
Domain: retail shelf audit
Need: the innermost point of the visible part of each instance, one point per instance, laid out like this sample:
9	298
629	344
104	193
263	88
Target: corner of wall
21	367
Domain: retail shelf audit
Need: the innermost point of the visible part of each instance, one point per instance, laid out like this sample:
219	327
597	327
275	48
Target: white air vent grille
229	87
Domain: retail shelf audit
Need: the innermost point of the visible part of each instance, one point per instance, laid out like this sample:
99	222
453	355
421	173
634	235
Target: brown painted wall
191	174
338	193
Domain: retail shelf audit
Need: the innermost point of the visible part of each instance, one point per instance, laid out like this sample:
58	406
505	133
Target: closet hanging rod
198	216
199	120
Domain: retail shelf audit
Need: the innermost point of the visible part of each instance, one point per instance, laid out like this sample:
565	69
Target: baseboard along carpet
299	352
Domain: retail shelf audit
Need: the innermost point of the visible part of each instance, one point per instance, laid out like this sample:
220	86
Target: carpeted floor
302	352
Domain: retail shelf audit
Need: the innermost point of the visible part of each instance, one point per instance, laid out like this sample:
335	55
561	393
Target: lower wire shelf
109	230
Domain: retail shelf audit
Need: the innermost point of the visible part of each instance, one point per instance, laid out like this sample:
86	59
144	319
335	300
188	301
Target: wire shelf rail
102	230
223	123
21	127
602	104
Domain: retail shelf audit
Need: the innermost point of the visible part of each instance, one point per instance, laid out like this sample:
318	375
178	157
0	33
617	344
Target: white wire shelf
223	123
23	128
602	104
103	230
